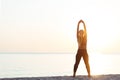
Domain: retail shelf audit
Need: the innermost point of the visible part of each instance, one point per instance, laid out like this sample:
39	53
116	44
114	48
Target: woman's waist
82	47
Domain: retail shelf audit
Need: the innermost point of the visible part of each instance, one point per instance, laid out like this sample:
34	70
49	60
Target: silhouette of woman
82	51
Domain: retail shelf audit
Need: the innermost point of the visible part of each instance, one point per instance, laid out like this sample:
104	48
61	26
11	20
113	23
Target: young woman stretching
82	51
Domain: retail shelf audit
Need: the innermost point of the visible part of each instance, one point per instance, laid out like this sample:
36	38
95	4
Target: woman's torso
82	42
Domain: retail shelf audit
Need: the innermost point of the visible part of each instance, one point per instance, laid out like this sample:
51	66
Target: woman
82	51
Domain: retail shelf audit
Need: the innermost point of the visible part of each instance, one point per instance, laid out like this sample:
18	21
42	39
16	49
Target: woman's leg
78	57
86	61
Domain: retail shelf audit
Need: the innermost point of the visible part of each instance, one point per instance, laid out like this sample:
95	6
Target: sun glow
97	63
100	37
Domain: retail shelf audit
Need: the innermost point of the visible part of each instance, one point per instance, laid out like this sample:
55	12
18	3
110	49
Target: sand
97	77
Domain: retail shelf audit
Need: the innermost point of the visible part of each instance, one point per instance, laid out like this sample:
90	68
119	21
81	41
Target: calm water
47	64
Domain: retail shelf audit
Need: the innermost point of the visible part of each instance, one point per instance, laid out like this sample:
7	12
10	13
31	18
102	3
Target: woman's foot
89	75
74	75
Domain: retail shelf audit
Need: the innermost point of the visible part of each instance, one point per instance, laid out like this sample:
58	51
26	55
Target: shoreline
78	77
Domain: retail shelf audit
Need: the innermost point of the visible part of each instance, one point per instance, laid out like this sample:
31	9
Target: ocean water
54	64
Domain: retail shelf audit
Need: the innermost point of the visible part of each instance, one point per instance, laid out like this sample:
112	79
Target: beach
80	77
53	39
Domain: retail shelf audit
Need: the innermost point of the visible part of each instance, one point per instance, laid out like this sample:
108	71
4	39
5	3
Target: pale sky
50	25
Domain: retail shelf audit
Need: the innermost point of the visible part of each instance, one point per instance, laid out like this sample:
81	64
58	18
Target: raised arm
78	26
84	27
77	29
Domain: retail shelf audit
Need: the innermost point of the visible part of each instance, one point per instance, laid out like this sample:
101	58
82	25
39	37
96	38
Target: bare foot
74	75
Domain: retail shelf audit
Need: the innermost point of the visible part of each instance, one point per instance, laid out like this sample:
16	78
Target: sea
30	64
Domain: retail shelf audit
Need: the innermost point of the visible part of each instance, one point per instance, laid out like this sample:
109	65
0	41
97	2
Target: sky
50	25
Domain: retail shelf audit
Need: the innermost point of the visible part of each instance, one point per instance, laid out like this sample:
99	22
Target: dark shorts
82	53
